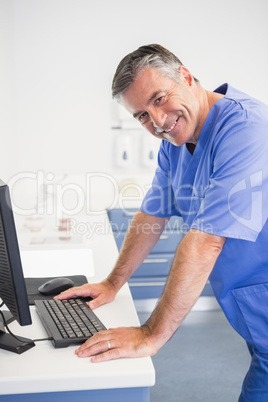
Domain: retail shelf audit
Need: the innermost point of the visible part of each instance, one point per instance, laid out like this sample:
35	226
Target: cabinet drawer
146	288
167	243
151	288
155	265
120	220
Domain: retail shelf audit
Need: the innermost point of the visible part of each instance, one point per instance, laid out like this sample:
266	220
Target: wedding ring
109	344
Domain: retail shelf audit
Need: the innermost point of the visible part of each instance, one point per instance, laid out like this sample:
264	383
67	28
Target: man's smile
161	131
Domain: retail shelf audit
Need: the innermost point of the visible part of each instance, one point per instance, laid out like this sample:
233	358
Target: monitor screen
12	285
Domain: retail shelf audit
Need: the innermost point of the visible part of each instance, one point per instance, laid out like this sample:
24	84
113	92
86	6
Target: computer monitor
12	285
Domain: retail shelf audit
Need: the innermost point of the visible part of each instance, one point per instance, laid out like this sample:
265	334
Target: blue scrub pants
255	385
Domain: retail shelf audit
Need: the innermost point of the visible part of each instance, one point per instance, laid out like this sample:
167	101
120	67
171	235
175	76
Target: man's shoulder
238	111
246	101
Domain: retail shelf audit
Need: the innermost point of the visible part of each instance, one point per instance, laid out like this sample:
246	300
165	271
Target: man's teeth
171	128
160	131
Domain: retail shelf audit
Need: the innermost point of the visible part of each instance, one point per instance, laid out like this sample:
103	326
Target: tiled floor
205	361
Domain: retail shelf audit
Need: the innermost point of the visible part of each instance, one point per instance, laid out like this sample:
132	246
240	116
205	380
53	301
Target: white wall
7	91
58	58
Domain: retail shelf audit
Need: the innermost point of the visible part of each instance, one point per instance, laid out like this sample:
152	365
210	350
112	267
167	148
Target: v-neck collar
194	159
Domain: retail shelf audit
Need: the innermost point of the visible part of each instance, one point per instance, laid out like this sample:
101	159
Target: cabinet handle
163	237
136	284
155	260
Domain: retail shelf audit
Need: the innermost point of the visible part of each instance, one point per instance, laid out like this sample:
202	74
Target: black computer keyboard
68	321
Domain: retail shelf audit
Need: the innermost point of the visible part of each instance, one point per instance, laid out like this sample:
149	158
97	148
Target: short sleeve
235	202
159	200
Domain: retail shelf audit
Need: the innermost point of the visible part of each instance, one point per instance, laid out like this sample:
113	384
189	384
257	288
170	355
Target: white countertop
46	369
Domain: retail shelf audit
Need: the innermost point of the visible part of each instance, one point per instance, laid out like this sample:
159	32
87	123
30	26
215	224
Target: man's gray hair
134	63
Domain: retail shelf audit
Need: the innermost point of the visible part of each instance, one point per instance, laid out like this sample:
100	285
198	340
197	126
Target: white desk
44	373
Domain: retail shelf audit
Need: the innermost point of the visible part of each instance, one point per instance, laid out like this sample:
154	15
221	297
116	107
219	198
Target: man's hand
101	293
117	343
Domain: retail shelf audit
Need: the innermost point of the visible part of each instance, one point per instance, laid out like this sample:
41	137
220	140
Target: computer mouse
55	286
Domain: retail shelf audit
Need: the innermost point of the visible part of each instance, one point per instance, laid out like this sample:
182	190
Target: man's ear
185	75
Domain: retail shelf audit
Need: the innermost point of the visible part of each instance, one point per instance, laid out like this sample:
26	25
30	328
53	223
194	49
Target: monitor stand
8	316
9	342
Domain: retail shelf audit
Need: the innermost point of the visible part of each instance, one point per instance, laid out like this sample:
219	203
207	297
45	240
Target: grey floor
205	361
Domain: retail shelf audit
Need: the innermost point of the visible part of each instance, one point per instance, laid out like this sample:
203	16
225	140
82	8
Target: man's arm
143	233
193	263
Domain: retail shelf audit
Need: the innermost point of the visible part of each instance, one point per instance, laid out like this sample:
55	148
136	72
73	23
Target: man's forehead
149	78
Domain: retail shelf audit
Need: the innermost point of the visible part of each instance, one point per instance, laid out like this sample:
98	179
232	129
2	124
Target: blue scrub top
222	189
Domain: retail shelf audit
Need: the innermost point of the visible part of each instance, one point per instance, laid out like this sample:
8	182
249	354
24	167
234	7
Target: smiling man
213	172
174	111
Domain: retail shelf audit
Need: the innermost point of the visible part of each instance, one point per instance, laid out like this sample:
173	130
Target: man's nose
158	118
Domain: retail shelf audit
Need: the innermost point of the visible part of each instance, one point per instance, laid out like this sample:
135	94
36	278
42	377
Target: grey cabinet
149	279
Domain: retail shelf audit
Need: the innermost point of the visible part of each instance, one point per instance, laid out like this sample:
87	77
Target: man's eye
143	117
158	100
